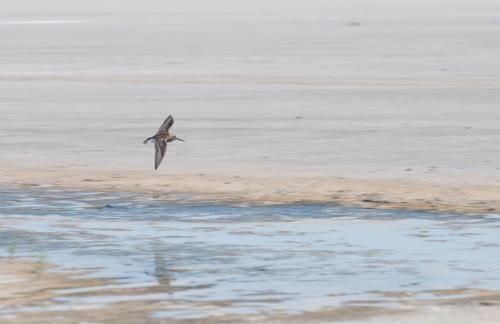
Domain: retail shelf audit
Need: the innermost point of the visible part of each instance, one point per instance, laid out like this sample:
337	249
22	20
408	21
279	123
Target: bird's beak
180	139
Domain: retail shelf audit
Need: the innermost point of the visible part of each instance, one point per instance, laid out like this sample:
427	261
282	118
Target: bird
161	138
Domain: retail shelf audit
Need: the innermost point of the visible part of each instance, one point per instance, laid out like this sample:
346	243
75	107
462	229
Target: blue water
288	258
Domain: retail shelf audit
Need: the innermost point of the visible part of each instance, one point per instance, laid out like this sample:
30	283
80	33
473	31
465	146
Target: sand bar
386	104
234	189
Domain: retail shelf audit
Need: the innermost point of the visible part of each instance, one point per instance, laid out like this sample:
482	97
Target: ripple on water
252	258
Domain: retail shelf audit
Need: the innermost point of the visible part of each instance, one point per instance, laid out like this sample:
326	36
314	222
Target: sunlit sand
288	108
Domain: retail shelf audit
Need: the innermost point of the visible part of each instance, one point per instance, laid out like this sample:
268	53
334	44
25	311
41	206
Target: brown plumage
161	138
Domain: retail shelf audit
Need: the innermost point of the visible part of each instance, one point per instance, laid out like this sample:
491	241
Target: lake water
289	258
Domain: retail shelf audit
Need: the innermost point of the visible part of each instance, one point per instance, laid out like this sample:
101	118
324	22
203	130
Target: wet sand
35	288
389	105
389	193
28	283
106	256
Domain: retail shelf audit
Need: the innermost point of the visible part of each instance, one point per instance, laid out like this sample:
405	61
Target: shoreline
33	297
393	193
339	164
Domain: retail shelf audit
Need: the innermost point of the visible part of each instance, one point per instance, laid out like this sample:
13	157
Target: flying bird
161	138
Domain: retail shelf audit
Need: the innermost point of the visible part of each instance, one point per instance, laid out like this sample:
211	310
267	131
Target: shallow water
288	258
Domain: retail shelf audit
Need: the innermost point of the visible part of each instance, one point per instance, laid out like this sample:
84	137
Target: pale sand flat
391	106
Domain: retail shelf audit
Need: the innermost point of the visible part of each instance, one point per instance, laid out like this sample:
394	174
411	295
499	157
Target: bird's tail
148	139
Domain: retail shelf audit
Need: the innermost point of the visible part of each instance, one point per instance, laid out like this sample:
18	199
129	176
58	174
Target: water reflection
254	258
161	273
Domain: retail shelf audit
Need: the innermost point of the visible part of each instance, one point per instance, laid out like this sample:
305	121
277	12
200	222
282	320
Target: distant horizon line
43	22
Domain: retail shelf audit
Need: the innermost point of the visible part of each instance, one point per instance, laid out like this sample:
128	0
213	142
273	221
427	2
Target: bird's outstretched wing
166	124
160	149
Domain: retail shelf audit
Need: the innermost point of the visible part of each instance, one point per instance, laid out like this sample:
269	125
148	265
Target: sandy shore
234	189
386	104
383	105
32	299
26	283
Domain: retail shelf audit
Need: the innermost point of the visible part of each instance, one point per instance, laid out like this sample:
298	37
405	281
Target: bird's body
161	138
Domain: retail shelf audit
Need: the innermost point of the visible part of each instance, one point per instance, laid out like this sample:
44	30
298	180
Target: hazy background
357	88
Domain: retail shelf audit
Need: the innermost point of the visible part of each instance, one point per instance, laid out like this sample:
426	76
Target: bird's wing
166	124
160	149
